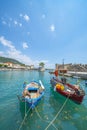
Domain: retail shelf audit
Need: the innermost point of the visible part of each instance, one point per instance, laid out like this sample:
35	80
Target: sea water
54	112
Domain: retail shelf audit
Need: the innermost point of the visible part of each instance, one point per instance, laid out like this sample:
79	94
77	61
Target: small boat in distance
73	92
32	93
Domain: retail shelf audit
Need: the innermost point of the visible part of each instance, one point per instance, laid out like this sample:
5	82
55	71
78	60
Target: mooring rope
44	120
57	113
24	116
25	107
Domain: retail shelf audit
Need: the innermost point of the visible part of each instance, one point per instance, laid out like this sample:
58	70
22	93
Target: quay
82	75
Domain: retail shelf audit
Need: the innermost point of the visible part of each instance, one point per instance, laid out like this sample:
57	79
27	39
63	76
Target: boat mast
63	68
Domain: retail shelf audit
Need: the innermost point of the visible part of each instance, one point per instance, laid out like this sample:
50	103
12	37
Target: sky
49	31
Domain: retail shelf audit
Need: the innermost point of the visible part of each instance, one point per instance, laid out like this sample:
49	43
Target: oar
41	84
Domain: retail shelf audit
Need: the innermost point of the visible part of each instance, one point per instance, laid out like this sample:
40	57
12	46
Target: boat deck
34	95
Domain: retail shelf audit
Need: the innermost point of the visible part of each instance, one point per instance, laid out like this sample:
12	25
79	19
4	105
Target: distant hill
5	59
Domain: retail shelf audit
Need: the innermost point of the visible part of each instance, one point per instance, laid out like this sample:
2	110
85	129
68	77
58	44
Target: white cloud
26	17
21	15
12	52
43	16
16	54
15	22
1	53
46	62
20	24
4	22
11	22
25	45
52	28
7	43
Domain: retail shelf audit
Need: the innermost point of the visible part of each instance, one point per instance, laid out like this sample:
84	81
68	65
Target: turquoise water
72	116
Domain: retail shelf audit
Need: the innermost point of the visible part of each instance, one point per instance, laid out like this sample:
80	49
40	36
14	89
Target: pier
82	75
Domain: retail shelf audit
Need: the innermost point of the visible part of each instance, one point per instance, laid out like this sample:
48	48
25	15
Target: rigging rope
57	113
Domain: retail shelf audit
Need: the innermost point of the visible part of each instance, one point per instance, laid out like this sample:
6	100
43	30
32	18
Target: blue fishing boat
32	93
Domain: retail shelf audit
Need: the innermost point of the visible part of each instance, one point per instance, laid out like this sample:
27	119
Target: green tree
41	64
5	66
1	65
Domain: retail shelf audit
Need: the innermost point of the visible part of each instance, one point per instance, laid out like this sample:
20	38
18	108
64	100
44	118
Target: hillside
5	59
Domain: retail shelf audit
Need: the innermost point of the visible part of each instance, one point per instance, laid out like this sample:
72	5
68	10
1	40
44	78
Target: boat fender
60	87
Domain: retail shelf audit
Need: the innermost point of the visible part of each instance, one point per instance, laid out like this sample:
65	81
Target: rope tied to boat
24	116
44	120
57	113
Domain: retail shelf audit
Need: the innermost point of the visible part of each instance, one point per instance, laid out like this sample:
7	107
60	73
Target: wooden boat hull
32	102
78	98
74	97
35	92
